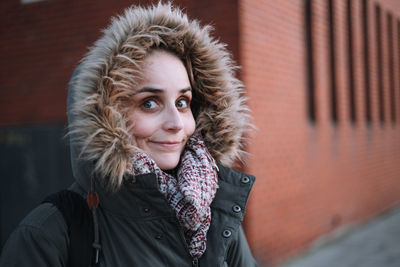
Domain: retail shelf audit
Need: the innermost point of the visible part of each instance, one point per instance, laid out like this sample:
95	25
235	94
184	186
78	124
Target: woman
155	116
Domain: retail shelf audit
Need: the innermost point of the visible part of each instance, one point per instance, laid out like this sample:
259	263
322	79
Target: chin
167	163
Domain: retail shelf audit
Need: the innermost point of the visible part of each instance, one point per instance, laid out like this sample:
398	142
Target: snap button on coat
159	236
226	233
245	180
236	208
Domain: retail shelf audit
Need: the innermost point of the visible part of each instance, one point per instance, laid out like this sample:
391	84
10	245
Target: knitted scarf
190	193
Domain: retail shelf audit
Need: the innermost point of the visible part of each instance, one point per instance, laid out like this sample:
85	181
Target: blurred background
323	79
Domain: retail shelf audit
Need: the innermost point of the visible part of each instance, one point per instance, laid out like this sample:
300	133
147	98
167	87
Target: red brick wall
42	42
314	178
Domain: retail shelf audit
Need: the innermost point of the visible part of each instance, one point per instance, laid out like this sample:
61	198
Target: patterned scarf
190	193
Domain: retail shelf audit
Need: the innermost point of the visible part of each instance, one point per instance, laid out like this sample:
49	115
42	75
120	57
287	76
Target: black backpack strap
79	220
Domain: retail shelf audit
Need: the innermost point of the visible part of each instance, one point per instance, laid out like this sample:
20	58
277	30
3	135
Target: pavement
374	244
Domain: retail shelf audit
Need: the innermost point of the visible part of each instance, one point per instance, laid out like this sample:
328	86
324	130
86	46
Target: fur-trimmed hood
100	141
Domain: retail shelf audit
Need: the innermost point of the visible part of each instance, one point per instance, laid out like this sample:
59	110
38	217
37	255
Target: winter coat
147	234
137	226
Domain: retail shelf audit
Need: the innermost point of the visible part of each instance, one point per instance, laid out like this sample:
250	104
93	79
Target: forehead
164	69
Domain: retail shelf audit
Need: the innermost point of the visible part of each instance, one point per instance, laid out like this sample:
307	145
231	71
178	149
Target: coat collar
233	192
139	197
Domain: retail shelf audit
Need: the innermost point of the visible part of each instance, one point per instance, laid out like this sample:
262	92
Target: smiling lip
167	144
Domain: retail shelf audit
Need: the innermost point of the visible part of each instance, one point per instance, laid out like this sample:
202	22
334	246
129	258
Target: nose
173	120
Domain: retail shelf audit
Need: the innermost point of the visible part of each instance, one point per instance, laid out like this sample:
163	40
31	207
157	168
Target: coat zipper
195	261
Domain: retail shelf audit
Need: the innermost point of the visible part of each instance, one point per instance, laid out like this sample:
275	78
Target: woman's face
160	110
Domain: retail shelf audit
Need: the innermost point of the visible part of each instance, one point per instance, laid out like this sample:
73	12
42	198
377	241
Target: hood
100	141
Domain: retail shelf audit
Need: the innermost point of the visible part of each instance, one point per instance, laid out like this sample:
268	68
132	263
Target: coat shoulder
234	176
43	216
45	232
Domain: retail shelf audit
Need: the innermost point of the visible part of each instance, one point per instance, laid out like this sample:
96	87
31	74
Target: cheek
190	125
142	127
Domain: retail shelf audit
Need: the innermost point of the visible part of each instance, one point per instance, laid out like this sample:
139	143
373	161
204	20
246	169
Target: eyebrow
158	91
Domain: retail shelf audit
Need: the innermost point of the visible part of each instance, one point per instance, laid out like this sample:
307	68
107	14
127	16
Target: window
350	53
379	66
331	18
366	61
309	61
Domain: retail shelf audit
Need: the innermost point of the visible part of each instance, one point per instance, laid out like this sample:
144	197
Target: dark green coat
138	228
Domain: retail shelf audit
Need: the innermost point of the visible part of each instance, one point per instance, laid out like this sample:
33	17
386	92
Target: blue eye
182	104
149	104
